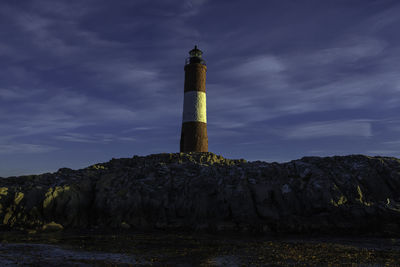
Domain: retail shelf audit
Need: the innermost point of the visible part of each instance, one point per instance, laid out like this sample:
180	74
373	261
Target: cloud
360	128
349	50
140	128
76	137
142	79
260	65
38	29
392	143
17	93
21	148
350	74
395	153
7	50
7	94
381	20
63	9
61	113
93	138
192	7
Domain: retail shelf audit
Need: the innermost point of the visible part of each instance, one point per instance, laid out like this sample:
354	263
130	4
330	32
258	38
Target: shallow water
172	249
48	255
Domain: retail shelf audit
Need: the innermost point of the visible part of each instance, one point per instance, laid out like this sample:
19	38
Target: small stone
125	226
52	227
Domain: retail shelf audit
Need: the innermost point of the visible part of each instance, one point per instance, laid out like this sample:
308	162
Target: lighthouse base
194	137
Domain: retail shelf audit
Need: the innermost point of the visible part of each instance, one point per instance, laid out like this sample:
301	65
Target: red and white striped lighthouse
194	123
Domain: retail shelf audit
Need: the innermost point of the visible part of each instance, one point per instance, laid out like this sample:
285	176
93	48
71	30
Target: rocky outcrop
349	194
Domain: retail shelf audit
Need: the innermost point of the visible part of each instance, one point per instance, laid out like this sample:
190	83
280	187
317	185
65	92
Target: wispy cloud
393	153
271	86
7	94
62	113
93	138
258	66
17	93
76	137
20	148
350	50
330	128
381	20
114	74
392	144
192	7
39	30
140	128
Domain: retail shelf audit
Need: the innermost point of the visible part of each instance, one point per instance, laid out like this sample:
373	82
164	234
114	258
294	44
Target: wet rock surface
202	191
192	249
28	254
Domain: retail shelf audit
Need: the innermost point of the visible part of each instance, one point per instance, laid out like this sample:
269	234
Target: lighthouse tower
194	124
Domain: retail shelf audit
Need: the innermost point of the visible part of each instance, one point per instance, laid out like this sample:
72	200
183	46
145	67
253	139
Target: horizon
85	82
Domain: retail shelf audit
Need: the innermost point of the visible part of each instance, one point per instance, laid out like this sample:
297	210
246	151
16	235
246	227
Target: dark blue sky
84	81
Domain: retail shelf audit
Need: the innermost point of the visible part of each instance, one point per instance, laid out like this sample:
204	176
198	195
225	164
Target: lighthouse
194	123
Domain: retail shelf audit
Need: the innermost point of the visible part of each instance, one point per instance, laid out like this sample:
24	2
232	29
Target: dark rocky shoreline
165	248
202	191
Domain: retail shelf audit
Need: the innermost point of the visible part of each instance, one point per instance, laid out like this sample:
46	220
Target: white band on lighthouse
194	106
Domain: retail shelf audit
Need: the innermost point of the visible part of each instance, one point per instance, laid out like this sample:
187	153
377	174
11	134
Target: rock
204	191
52	227
125	226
